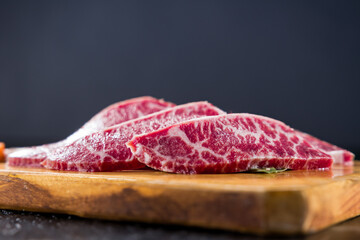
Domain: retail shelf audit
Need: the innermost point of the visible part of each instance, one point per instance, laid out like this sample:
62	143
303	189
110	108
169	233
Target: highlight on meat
190	138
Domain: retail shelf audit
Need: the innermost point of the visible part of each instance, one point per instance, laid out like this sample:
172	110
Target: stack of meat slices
190	138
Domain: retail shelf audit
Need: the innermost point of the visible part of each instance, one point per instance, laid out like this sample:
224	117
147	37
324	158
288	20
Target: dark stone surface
28	225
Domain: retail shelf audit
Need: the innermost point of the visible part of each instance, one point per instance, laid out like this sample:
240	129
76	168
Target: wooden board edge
285	212
257	212
331	203
226	210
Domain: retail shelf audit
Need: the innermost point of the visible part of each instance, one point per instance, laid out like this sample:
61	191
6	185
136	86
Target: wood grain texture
290	202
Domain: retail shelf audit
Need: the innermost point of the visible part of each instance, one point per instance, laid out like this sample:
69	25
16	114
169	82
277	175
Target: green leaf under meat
267	170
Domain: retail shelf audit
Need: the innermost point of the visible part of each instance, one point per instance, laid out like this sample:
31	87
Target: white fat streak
147	158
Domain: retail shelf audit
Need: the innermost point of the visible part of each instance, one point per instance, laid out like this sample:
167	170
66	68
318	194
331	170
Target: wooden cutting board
290	202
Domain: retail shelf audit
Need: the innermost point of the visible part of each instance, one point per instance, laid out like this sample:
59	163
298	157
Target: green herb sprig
267	170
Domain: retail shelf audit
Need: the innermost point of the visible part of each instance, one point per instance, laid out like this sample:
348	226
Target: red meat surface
114	114
225	144
339	155
106	150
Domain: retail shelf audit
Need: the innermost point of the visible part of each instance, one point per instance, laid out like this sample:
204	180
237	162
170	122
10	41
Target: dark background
63	61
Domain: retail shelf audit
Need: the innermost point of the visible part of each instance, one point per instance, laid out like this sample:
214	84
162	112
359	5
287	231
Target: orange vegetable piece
2	148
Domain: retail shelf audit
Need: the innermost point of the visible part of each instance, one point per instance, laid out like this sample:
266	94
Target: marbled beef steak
105	150
339	155
114	114
225	144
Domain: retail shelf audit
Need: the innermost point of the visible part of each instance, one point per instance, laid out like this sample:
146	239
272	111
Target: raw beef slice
114	114
106	150
340	156
226	144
